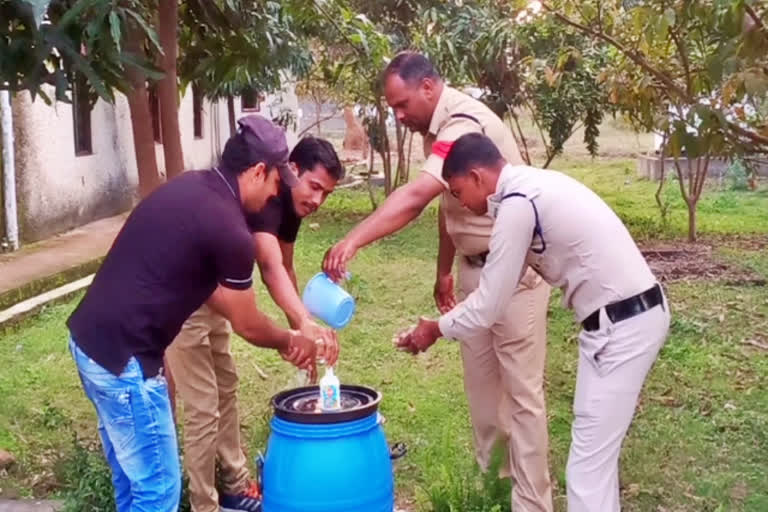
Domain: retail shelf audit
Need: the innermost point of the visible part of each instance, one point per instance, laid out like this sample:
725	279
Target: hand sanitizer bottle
330	391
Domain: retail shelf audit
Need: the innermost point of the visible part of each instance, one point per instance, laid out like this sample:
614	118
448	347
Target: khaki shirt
582	247
470	233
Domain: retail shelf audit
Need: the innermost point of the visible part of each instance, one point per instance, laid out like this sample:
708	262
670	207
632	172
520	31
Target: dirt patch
675	262
755	242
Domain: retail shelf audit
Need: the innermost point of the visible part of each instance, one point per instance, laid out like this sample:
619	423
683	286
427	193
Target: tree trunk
371	192
167	89
663	207
386	156
318	113
692	220
519	137
400	134
141	119
231	115
408	158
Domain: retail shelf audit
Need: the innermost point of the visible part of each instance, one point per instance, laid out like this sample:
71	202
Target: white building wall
58	190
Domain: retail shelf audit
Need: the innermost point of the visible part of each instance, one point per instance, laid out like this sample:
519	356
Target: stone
30	505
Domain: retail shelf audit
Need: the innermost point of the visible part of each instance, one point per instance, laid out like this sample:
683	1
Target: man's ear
476	176
429	86
258	171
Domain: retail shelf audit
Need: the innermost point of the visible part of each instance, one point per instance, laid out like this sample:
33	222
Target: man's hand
444	297
301	352
325	338
420	338
336	259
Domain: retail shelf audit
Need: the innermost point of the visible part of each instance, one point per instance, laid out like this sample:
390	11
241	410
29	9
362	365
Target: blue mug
328	301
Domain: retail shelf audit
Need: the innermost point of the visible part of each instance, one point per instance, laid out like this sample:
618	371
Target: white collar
494	200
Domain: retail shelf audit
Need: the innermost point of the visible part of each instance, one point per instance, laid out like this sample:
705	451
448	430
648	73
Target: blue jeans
138	434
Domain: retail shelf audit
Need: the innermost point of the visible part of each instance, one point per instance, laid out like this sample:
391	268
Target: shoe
247	501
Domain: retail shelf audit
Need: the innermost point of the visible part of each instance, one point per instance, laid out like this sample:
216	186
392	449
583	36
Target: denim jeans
138	434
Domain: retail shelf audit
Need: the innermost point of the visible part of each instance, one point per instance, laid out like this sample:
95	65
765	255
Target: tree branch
634	56
337	27
683	59
703	175
680	178
526	155
549	154
643	63
321	120
754	137
755	18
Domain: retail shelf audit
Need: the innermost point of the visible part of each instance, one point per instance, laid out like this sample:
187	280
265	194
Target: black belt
477	260
626	308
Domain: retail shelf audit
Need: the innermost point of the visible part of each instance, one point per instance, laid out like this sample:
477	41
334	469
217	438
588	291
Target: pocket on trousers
592	344
114	405
116	415
531	279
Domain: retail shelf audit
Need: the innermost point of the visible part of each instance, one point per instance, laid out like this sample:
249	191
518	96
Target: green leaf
75	11
145	66
675	143
149	31
84	67
715	69
114	28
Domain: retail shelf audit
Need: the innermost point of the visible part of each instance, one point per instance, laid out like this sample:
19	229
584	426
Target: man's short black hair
411	67
311	151
470	150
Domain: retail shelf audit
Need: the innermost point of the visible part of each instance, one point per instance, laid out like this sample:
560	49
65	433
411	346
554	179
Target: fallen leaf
632	490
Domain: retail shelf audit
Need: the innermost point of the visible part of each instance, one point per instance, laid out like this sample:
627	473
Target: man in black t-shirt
200	358
186	244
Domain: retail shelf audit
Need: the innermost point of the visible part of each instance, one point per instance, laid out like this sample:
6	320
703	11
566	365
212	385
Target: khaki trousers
613	364
206	380
503	381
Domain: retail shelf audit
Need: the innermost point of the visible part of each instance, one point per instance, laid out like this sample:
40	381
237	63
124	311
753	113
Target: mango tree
693	70
521	62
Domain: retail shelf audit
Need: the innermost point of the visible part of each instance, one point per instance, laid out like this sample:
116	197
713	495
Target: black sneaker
247	501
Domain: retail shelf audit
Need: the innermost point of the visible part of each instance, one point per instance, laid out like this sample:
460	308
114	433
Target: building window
81	116
249	101
197	111
154	110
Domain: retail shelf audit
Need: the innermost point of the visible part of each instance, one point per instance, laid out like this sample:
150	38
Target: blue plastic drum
335	461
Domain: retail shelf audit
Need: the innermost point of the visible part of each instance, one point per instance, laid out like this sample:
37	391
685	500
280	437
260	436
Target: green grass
720	211
699	442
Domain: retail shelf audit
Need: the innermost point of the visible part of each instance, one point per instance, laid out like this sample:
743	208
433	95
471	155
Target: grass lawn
699	441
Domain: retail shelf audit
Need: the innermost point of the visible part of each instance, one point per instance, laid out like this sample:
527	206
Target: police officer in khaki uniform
561	228
504	364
